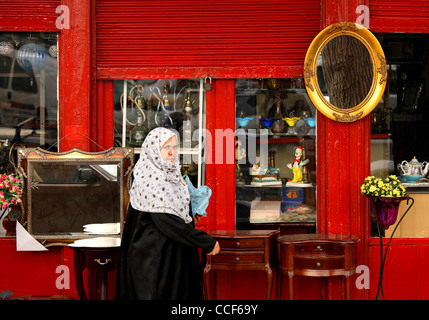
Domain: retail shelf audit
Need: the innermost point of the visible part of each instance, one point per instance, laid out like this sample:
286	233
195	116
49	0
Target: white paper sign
25	241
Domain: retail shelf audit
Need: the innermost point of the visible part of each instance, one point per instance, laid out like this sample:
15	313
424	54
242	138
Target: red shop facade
109	40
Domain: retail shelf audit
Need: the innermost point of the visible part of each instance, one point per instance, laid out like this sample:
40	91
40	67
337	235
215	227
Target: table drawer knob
318	264
106	261
319	248
237	243
237	259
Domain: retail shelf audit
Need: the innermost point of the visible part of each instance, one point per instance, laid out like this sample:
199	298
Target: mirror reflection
344	72
66	196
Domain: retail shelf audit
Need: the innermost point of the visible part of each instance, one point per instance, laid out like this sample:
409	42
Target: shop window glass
5	64
400	127
142	105
28	89
275	120
23	81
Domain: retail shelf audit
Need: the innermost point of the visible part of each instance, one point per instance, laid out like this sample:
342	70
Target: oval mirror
345	72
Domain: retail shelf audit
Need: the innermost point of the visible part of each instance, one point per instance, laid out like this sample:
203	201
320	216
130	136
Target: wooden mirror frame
30	157
378	65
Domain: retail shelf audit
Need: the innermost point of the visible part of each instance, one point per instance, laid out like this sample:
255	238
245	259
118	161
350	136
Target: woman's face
169	150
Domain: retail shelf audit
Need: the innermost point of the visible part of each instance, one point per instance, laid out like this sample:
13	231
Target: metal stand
383	256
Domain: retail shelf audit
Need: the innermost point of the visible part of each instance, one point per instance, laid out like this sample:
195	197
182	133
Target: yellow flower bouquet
385	195
377	187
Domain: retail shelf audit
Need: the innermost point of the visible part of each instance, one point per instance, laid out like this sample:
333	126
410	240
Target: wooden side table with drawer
316	255
242	250
99	262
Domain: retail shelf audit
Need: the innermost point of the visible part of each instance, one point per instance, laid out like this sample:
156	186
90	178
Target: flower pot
9	225
386	210
11	214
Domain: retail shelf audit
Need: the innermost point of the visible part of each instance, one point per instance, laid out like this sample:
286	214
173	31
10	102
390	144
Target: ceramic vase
386	210
278	126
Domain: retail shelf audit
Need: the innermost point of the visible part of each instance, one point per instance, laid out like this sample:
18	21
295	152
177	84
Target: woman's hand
197	218
215	250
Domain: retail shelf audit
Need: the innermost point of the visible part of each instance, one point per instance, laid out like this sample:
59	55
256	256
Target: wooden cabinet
99	262
241	250
316	255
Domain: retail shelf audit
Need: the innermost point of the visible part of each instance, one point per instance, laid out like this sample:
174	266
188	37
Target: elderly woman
159	251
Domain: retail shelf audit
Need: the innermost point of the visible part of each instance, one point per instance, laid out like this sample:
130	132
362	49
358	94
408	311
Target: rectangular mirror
66	192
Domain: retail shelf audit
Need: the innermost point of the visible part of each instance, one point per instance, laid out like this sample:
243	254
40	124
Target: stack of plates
101	242
102	228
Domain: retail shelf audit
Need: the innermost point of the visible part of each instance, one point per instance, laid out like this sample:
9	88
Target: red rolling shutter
399	16
28	15
193	38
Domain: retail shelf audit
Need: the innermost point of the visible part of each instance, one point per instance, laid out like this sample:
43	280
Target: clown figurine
240	153
296	166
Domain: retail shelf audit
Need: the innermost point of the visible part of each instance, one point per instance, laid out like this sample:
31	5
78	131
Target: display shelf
278	186
273	138
192	151
271	153
311	221
178	104
415	185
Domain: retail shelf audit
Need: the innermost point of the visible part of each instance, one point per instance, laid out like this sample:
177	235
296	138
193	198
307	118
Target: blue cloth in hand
199	198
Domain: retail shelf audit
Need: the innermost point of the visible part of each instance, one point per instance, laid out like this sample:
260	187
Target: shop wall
343	162
25	273
405	275
28	15
220	177
36	273
76	85
88	65
106	41
223	39
399	16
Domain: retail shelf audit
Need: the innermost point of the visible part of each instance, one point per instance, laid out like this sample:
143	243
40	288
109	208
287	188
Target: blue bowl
267	122
411	179
243	121
311	122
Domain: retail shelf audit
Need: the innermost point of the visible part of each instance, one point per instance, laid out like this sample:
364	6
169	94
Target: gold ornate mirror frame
379	72
64	191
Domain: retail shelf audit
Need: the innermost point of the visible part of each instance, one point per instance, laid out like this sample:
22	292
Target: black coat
159	258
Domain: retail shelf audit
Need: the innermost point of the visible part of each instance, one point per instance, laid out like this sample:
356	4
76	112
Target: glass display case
400	127
275	154
28	90
142	105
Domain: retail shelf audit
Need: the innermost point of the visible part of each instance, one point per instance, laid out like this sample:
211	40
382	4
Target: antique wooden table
99	261
241	250
316	255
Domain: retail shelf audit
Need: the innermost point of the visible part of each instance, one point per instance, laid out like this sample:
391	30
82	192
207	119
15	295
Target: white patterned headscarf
158	185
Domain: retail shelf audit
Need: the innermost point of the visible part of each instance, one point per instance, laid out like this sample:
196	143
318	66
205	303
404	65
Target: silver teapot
414	167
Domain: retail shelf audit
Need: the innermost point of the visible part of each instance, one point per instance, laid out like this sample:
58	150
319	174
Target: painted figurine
240	153
297	165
